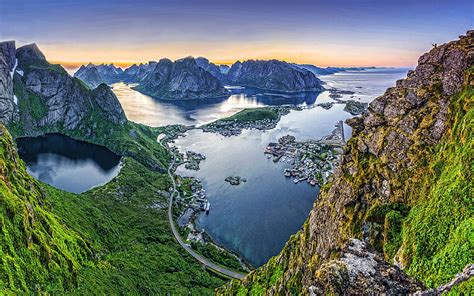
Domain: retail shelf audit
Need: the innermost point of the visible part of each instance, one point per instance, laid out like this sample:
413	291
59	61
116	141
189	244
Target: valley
172	176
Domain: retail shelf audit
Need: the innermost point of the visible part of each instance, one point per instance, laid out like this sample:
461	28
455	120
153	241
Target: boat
207	207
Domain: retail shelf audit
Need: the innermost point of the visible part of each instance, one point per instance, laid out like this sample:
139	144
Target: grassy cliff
39	252
404	187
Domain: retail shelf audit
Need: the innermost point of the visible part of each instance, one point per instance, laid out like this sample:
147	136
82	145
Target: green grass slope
125	221
437	238
38	251
113	239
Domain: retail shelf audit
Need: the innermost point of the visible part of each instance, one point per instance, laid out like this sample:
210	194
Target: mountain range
396	218
173	80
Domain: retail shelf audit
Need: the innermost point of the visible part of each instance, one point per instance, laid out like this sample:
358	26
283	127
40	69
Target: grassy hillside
125	221
436	236
113	239
39	252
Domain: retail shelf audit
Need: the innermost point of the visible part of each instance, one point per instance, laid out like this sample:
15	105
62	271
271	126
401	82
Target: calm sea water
68	164
257	217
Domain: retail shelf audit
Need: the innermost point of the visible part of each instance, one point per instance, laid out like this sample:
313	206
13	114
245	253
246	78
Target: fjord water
257	217
68	164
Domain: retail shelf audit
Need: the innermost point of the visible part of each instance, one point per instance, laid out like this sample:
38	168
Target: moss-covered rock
403	186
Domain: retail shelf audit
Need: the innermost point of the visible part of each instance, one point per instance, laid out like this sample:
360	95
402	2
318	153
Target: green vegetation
437	235
39	253
127	227
218	256
42	65
113	239
30	100
254	114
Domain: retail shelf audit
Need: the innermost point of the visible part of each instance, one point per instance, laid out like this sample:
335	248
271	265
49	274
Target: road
198	257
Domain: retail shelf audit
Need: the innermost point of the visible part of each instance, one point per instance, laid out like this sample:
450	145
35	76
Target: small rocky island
355	107
235	180
193	159
257	118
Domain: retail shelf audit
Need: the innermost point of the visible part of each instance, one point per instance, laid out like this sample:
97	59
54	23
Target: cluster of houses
229	128
311	161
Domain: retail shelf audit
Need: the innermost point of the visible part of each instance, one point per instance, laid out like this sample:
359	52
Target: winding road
204	261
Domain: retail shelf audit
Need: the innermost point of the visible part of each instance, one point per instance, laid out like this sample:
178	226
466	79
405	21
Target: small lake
68	164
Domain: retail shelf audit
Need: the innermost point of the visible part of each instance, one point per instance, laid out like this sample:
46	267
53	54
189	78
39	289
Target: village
311	161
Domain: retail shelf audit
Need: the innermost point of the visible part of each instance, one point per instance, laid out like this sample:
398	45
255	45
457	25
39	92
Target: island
264	118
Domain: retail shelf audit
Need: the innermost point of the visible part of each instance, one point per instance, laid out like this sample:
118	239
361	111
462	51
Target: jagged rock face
136	73
93	75
29	52
224	69
66	101
109	104
273	75
361	271
211	68
379	169
89	75
7	65
182	79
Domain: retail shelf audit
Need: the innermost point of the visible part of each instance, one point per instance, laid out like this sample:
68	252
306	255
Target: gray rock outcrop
63	100
7	68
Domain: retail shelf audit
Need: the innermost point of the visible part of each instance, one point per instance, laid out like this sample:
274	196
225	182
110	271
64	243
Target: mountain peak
30	52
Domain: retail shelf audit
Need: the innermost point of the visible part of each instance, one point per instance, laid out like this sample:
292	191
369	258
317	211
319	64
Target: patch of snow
14	68
20	72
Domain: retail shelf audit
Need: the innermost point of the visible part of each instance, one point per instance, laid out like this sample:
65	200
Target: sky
319	32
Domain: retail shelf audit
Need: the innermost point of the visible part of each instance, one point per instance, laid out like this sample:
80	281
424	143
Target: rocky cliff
273	75
182	79
7	69
397	215
48	97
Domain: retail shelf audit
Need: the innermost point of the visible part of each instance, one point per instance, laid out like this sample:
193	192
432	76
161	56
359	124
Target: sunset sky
325	33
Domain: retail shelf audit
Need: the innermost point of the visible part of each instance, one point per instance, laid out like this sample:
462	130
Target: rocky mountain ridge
273	75
270	75
182	79
94	75
395	218
61	99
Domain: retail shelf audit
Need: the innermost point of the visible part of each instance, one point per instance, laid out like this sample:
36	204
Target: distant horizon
339	33
124	65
